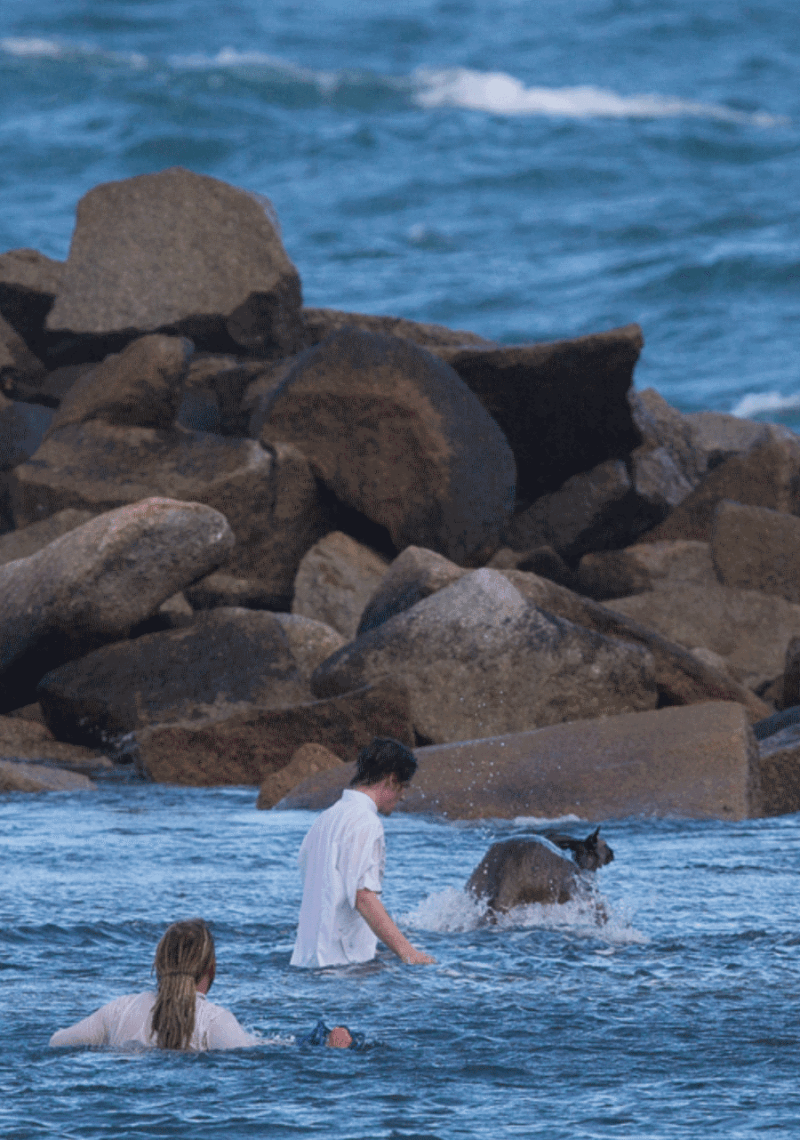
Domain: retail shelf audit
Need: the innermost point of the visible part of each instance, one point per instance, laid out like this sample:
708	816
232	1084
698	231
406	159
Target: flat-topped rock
27	740
562	405
21	777
698	762
247	746
180	252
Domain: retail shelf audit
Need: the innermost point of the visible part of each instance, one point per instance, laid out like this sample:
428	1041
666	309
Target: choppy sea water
678	1018
526	171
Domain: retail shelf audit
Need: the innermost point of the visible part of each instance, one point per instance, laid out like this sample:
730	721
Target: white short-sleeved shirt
344	852
128	1021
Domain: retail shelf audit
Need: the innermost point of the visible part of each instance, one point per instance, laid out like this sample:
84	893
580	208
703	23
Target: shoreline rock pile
231	526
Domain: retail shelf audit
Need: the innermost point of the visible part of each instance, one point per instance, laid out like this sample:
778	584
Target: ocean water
526	171
677	1018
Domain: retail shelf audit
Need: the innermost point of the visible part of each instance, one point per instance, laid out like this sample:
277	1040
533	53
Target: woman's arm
91	1031
374	913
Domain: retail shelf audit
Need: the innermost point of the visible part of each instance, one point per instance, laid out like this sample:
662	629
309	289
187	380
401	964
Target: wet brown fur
516	872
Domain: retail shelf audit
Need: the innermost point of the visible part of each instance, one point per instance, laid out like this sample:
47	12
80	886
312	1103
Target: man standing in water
342	859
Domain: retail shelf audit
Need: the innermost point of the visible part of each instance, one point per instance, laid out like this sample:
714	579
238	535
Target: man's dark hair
383	757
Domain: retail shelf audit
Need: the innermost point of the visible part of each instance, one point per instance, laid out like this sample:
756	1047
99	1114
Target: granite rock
396	435
247	746
755	548
184	253
307	760
224	659
92	585
562	405
478	660
335	580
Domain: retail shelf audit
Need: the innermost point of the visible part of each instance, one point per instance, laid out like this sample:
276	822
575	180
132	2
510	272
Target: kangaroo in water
514	872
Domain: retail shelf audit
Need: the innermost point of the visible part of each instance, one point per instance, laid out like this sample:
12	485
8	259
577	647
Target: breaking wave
427	88
759	403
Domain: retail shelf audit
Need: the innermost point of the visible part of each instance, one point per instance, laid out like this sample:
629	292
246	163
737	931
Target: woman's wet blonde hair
184	954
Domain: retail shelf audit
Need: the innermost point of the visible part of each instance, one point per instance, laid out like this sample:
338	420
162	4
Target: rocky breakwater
235	527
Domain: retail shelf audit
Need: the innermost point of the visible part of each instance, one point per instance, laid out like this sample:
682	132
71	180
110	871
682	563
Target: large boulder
29	282
307	761
138	387
751	630
593	510
697	442
415	574
646	566
681	677
699	762
224	659
754	548
562	406
479	660
396	435
269	498
438	339
335	580
22	543
26	740
21	777
768	475
779	764
95	583
246	746
20	370
184	253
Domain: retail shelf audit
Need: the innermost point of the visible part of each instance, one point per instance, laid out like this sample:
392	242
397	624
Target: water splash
453	911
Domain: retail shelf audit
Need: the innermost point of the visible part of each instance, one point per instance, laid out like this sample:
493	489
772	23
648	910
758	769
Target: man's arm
372	910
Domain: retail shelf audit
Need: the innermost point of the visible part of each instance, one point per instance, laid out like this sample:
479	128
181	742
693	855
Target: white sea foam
755	403
502	94
544	821
32	47
453	911
36	48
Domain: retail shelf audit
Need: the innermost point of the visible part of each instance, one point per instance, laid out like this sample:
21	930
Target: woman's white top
344	852
128	1021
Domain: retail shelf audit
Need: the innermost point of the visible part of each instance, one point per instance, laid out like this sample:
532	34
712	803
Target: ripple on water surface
672	1018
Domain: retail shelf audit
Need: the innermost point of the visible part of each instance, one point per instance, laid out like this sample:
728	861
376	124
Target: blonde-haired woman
178	1015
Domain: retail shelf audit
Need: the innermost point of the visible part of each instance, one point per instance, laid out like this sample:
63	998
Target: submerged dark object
515	872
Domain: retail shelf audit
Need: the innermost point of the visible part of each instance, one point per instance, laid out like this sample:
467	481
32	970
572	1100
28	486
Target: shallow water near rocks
676	1018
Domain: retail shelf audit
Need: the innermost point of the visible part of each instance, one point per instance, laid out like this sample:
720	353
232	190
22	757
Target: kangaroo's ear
592	839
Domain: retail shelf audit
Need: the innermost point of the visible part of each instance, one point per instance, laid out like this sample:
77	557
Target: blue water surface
677	1018
526	171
